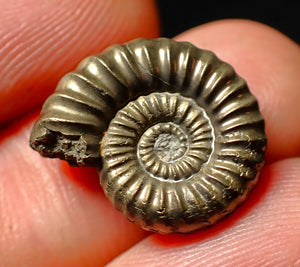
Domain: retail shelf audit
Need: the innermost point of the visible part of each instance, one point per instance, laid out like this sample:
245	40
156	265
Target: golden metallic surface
180	136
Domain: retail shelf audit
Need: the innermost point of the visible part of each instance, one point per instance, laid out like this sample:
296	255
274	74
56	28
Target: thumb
42	40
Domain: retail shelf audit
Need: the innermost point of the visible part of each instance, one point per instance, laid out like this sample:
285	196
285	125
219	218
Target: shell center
169	141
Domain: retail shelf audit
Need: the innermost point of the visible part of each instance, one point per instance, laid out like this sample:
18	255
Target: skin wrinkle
61	198
259	61
246	238
64	36
9	41
52	220
147	254
33	36
28	54
59	206
35	50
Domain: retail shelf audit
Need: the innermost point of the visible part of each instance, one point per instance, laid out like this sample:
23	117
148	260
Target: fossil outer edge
184	140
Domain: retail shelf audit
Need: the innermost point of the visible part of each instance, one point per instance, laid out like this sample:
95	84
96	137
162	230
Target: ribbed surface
169	135
85	101
170	163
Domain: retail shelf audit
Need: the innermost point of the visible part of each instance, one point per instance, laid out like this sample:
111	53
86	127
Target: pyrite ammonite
175	131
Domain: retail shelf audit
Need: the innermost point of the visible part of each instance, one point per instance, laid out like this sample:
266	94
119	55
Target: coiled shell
184	139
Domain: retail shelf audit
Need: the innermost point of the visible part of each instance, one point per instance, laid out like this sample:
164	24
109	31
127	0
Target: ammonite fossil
175	131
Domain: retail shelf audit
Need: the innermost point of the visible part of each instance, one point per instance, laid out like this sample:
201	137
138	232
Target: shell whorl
183	137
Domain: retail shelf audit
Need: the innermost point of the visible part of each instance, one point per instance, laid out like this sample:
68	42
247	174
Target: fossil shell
183	139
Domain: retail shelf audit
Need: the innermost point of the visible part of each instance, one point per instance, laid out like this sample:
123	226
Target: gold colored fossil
175	132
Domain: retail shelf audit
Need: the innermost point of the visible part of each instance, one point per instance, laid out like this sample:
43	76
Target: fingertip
269	62
40	43
270	233
52	215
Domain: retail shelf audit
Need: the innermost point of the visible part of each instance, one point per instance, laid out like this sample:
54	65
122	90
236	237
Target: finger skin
52	214
268	236
264	231
270	63
63	222
42	40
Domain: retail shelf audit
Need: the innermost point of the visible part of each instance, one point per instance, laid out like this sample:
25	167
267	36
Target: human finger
270	63
52	214
259	54
268	236
41	41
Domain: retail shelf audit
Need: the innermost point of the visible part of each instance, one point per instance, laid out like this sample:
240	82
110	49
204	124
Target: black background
178	16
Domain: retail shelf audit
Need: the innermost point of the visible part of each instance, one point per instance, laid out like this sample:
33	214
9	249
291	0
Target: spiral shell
181	138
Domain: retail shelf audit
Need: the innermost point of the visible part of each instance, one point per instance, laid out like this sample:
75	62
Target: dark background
180	15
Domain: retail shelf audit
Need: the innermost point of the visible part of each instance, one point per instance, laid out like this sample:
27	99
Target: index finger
41	41
270	63
265	230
